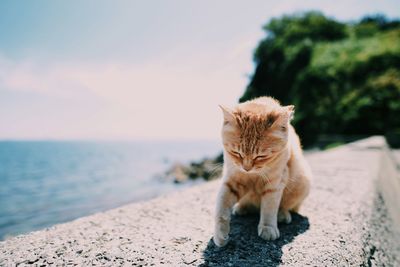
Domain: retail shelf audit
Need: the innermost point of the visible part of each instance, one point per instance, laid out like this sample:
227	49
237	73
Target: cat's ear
283	118
228	114
289	111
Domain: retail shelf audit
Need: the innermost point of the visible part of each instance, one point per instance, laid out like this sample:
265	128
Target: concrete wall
344	222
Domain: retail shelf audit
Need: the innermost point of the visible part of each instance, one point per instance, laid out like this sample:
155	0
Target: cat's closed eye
261	157
236	154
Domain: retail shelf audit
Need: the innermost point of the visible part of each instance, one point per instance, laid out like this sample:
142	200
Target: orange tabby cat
264	167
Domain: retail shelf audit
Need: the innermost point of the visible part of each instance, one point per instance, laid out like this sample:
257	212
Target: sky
133	70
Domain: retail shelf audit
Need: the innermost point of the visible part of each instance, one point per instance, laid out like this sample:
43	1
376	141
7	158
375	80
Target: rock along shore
344	222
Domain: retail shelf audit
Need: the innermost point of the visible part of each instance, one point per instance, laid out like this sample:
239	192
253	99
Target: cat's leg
227	197
297	208
295	193
268	225
245	205
284	216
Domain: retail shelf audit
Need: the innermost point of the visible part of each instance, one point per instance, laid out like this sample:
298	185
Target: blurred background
99	100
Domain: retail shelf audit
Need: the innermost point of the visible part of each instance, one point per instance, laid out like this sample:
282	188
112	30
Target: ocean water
43	183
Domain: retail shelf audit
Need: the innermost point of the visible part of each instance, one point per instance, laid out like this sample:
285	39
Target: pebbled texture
342	223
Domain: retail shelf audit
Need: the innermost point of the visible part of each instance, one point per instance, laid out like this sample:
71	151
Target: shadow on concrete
246	248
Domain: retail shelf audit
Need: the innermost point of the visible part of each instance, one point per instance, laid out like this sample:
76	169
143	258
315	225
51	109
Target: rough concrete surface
342	223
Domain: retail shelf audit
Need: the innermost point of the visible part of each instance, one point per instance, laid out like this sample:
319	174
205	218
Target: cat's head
254	132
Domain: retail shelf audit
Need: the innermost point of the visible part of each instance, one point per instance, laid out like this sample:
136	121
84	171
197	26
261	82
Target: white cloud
174	97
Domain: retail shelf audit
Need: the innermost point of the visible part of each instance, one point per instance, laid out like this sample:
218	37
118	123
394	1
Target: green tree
342	77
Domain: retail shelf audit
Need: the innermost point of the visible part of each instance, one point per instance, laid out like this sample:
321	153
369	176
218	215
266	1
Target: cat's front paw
221	234
238	210
220	240
268	232
284	216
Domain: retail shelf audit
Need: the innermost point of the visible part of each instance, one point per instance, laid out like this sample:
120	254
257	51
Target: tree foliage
343	78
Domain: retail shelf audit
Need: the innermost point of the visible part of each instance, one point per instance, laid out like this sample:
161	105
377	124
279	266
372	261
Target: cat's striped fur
264	167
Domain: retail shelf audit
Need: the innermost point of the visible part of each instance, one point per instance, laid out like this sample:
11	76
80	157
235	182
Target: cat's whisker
265	178
216	169
290	188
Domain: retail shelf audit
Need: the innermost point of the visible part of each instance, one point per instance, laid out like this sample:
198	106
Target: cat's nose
247	165
247	168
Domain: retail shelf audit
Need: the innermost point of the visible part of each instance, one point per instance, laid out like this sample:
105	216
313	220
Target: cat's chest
244	184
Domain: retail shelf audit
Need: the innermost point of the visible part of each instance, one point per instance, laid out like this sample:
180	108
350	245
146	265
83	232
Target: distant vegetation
343	78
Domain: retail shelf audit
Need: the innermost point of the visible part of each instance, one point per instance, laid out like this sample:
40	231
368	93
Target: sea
43	183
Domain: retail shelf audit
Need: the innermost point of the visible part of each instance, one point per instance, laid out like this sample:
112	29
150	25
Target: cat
264	167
